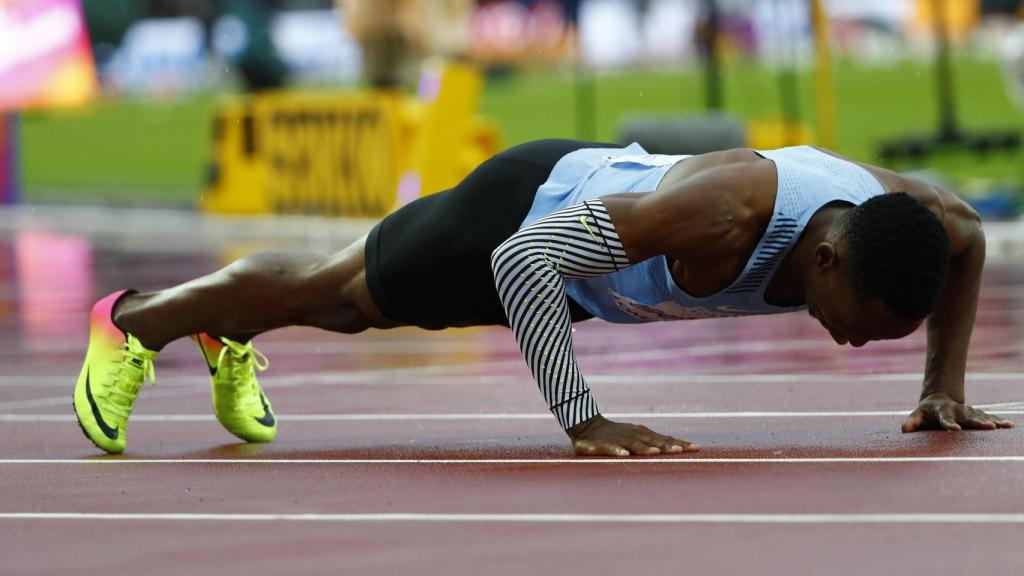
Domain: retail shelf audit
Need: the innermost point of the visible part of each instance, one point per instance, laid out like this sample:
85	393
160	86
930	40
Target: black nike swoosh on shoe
107	430
268	417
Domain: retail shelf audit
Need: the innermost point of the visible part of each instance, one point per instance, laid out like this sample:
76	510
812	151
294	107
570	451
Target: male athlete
557	231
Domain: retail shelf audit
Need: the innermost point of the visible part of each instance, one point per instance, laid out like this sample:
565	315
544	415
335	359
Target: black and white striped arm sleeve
529	270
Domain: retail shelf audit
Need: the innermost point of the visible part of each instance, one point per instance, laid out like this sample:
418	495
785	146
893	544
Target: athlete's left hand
940	412
602	437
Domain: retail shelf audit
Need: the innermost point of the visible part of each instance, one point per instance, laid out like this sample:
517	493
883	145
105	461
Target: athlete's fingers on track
585	448
999	421
666	443
643	448
614	450
590	448
974	419
954	417
979	424
981	420
654	439
948	423
913	422
658	442
671	445
949	415
686	445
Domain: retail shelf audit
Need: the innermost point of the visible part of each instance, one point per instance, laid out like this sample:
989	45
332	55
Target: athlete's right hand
602	437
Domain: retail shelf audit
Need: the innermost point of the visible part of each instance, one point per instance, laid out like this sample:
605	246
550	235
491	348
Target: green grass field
873	104
158	150
152	151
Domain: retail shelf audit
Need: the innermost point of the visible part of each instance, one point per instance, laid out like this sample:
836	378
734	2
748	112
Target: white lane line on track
435	375
506	343
519	461
66	399
926	518
459	377
170	418
475	368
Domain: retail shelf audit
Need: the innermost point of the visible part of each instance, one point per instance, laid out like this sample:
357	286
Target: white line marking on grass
539	518
120	460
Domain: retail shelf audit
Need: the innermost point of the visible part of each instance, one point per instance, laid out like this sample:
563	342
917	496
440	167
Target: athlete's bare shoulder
712	205
960	220
742	161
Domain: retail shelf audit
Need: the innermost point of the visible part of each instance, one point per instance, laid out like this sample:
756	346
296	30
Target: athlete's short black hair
898	251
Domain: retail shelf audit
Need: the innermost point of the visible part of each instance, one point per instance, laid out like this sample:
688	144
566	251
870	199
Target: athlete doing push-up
554	232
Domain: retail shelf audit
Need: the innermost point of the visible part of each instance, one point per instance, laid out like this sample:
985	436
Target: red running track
409	451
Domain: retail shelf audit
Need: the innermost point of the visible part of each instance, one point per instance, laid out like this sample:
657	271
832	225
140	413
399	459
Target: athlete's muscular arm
529	269
584	241
942	402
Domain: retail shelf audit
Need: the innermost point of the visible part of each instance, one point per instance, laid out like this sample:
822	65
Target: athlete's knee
341	318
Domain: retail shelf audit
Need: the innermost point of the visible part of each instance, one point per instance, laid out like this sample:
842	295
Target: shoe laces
130	373
240	361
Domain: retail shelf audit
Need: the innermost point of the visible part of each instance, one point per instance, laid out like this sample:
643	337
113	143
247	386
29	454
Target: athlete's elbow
499	257
516	257
504	258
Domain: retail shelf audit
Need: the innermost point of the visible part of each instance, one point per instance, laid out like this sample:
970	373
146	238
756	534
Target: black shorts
429	263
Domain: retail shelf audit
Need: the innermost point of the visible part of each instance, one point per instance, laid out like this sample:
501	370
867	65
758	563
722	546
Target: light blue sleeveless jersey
645	292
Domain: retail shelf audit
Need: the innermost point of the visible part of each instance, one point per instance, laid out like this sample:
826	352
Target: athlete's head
880	271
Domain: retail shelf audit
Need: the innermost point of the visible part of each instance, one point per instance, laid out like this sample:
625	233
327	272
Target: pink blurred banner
45	59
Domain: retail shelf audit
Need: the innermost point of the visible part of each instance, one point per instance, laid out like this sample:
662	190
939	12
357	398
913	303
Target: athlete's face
832	300
850	321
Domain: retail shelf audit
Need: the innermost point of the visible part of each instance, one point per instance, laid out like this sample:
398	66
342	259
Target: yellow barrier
824	87
347	154
771	134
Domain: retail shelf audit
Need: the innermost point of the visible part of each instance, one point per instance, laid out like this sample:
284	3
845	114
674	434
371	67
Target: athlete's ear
826	257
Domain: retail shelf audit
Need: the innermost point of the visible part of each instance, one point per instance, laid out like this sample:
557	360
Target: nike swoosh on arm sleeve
529	271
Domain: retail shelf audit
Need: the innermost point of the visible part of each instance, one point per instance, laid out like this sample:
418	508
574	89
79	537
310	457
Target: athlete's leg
436	264
258	293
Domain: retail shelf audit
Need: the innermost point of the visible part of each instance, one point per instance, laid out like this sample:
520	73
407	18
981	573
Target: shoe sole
255	439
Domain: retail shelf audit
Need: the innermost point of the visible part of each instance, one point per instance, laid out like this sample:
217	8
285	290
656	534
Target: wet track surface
408	450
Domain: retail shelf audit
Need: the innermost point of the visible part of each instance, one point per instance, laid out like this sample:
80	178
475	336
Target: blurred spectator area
395	35
163	63
172	46
165	47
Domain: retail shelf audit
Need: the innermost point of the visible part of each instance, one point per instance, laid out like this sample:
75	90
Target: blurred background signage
234	104
45	58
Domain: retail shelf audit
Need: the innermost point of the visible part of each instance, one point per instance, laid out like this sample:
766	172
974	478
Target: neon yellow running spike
116	365
238	401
